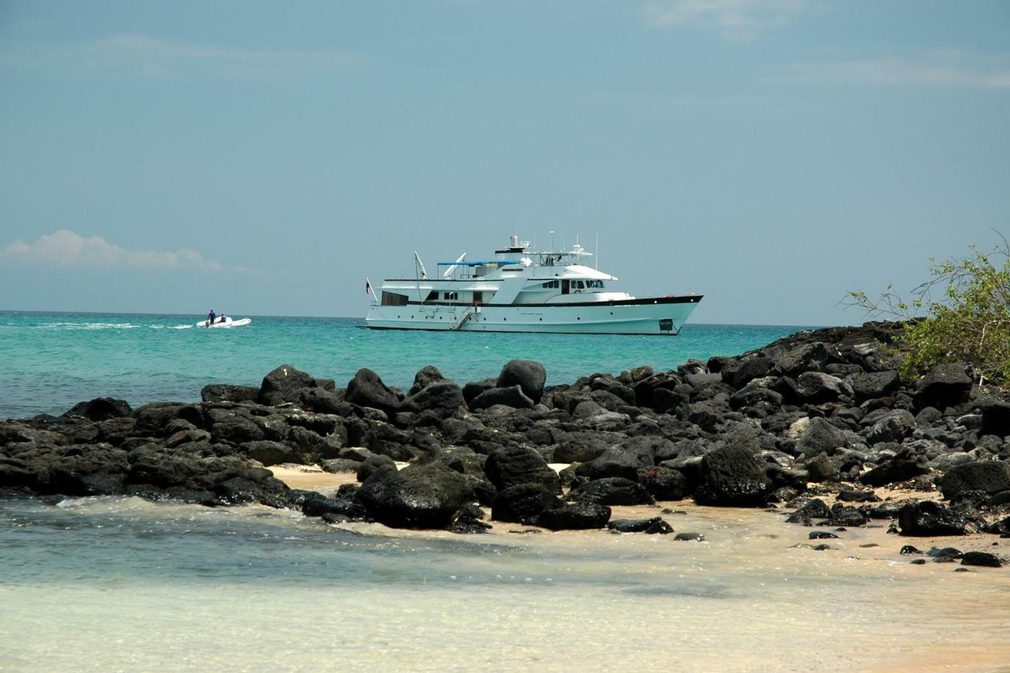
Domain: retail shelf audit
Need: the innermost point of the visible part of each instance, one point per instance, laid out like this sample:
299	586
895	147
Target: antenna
419	266
552	241
597	251
452	267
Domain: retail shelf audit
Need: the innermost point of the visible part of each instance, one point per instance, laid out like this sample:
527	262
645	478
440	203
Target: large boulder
905	465
512	465
995	416
522	503
226	392
612	491
734	475
425	377
422	495
740	372
621	460
511	396
809	357
283	385
97	469
574	516
153	417
270	452
756	396
817	387
928	518
100	409
873	385
894	425
366	389
988	477
820	436
441	397
945	386
527	374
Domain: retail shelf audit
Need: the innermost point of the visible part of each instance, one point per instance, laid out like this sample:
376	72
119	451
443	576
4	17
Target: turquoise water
51	361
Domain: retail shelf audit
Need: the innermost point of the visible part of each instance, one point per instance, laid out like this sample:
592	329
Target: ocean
121	584
51	361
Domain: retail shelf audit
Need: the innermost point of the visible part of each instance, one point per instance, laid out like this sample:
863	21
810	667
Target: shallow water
107	584
51	361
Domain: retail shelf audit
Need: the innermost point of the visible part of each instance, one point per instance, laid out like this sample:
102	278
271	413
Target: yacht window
393	299
578	284
450	295
432	296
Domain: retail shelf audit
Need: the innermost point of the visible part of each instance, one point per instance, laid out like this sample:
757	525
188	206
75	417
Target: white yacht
522	290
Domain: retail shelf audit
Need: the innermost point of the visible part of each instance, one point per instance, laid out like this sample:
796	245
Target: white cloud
67	249
939	69
733	19
145	57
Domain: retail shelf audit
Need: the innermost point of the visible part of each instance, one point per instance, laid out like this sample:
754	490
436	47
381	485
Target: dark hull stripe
516	331
644	301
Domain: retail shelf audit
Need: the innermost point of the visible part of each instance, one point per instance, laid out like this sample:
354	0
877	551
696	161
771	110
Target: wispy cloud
146	57
939	69
733	19
67	249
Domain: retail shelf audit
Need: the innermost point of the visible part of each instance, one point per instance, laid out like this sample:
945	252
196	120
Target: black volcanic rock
612	491
988	477
622	460
872	385
529	375
226	392
733	475
574	516
366	389
513	465
441	397
928	518
522	503
421	495
100	409
425	377
653	526
512	396
821	436
283	385
945	386
903	466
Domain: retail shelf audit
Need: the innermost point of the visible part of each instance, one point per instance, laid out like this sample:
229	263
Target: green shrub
970	322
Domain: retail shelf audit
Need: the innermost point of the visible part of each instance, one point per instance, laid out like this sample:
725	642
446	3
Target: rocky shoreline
818	424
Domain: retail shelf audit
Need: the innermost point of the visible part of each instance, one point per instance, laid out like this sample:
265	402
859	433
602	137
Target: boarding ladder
466	317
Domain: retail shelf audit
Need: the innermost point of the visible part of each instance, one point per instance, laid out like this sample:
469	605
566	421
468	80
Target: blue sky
263	158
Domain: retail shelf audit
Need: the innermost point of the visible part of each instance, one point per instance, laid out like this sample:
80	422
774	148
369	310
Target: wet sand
858	596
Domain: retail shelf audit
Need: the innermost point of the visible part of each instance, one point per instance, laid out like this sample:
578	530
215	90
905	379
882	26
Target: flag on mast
369	289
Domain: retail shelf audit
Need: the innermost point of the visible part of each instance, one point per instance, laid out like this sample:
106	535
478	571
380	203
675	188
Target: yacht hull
661	316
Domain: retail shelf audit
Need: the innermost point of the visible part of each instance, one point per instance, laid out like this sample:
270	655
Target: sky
264	158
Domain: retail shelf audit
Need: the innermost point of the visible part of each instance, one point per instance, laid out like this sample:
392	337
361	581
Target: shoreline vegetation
819	426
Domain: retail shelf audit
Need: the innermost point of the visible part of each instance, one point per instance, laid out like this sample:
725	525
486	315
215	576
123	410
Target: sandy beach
932	617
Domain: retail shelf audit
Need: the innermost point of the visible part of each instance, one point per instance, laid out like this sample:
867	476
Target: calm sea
51	361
